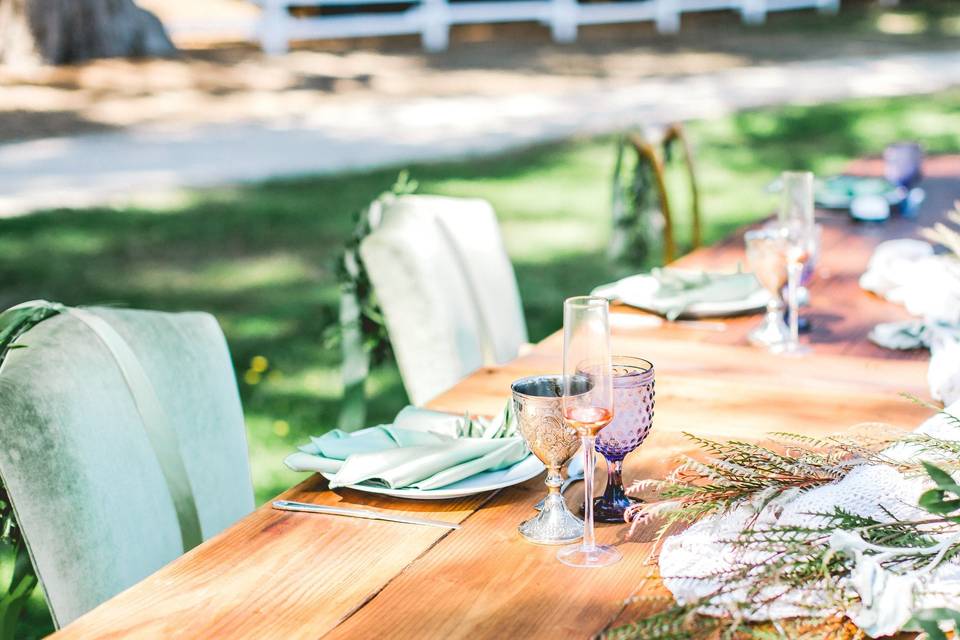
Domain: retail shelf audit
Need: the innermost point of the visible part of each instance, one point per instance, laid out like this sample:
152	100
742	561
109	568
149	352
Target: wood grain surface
294	575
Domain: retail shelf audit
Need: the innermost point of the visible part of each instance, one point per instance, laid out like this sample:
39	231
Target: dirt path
358	133
237	84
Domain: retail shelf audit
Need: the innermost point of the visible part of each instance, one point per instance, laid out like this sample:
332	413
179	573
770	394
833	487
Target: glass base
554	524
795	349
606	509
598	556
772	331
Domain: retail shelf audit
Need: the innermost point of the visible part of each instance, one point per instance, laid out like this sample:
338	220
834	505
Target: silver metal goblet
538	407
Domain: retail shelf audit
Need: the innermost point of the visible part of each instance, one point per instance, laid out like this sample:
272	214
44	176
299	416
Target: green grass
259	257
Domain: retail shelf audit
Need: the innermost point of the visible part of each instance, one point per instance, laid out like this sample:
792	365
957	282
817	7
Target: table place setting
681	294
875	199
600	404
423	454
782	256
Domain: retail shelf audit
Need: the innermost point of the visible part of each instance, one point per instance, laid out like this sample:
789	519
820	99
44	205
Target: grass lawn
260	257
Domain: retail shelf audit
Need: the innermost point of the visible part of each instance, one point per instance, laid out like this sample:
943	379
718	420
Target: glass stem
589	460
774	310
614	490
794	271
554	480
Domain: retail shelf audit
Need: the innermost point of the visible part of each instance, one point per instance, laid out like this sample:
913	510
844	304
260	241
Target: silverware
286	505
637	321
577	477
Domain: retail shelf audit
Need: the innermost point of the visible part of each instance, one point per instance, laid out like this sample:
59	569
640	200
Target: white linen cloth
907	272
689	561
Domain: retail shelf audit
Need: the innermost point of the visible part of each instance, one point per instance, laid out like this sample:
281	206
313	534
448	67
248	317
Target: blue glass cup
903	168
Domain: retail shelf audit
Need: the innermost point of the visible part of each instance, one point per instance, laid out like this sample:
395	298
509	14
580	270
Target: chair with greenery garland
122	446
447	290
428	279
643	210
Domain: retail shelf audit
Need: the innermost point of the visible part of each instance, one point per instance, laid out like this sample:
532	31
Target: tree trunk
64	31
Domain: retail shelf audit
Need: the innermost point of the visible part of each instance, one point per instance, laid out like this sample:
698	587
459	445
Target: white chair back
446	288
122	443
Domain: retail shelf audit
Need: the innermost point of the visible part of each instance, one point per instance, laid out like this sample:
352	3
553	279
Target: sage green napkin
671	292
911	334
422	449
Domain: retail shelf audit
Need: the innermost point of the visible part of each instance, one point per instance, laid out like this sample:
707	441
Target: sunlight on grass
950	25
224	276
902	23
324	382
267	452
544	241
256	327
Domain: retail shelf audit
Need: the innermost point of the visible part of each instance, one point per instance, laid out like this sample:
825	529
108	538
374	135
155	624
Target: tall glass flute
633	395
796	205
767	255
797	252
586	356
797	212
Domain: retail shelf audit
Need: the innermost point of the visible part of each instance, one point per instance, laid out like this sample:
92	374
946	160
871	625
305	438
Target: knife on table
287	505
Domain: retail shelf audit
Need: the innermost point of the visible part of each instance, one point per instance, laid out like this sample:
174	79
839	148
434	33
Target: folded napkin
421	449
909	273
671	292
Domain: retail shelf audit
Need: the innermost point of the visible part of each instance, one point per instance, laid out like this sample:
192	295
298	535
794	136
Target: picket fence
432	19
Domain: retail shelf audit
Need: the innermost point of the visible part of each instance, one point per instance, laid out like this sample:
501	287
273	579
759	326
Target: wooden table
289	575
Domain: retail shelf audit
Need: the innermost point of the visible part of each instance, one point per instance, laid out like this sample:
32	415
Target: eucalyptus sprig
738	472
353	278
361	332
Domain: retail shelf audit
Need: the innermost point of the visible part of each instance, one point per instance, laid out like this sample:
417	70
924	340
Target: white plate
522	471
640	289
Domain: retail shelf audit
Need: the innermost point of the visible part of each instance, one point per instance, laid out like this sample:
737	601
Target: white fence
432	19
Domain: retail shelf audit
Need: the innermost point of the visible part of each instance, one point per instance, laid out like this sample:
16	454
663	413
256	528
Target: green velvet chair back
122	445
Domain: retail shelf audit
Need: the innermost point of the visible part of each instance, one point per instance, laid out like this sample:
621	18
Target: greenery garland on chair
13	324
643	212
361	332
637	214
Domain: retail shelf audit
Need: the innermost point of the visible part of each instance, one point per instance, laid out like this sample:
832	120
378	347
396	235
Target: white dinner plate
638	291
522	471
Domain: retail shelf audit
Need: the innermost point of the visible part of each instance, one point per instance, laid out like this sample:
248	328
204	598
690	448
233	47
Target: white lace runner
689	559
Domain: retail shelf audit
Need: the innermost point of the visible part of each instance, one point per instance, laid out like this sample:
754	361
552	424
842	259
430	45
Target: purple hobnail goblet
633	395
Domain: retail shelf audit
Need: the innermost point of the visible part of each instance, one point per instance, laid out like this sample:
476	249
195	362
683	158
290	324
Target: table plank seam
372	595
